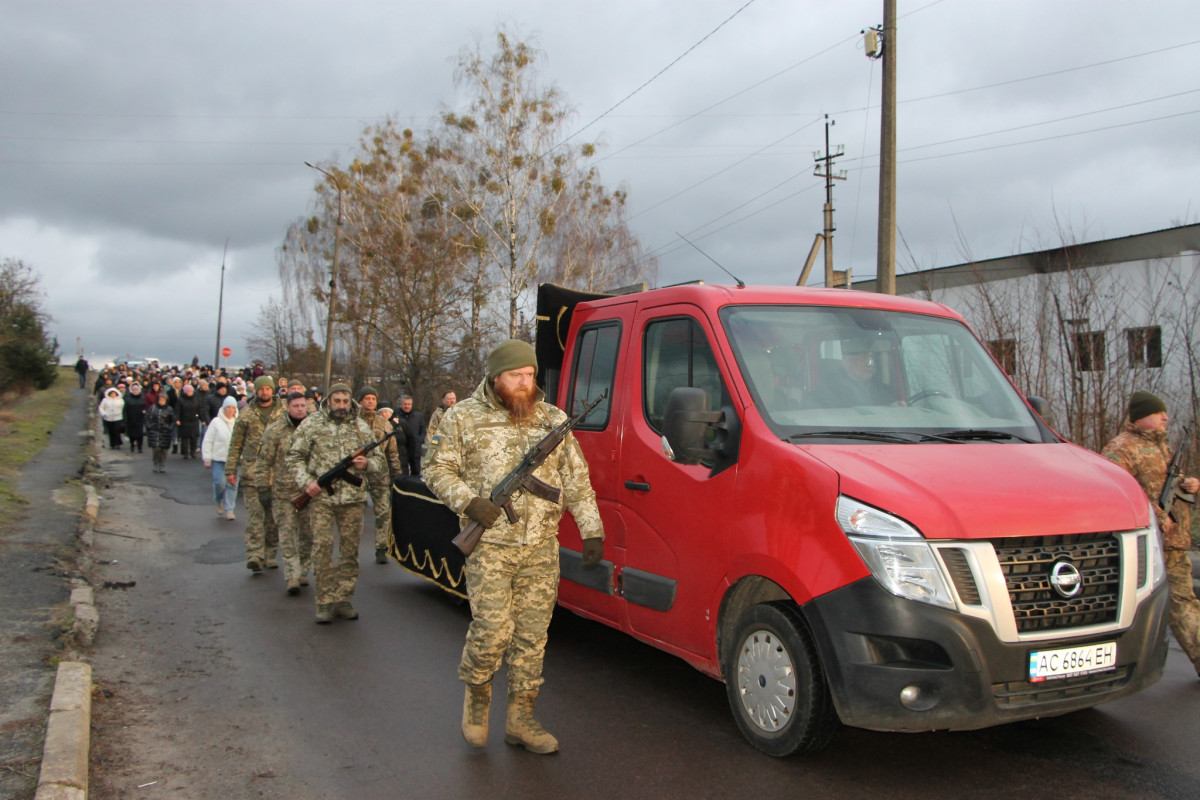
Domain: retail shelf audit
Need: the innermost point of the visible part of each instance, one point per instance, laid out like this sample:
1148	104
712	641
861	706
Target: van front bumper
900	665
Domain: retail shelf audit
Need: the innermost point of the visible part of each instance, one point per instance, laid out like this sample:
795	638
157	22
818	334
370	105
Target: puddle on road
227	550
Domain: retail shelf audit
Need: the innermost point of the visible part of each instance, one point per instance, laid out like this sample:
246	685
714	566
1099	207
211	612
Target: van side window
594	372
677	353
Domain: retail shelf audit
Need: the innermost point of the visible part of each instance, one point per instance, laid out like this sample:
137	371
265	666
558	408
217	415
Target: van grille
1037	606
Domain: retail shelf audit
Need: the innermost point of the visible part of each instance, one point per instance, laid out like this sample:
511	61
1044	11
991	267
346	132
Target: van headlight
1154	552
895	552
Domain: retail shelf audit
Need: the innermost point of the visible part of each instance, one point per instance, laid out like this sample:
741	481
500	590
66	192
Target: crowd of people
243	426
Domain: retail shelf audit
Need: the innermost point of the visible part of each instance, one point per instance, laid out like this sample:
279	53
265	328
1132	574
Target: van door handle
637	486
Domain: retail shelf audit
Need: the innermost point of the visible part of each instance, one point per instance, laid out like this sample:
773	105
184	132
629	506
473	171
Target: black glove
593	551
483	511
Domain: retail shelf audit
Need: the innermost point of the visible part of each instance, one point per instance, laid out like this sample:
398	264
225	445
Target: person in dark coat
188	421
135	417
216	399
160	424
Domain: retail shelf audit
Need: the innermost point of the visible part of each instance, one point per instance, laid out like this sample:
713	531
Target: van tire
775	682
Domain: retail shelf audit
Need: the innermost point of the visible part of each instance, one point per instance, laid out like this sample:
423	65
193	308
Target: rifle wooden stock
468	537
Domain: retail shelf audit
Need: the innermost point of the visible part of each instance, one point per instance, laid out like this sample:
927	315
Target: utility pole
220	304
333	275
824	169
885	261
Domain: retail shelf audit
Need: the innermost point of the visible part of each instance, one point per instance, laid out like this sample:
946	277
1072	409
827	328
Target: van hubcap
766	681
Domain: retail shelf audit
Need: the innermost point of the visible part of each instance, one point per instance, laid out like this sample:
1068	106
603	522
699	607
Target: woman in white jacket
214	450
112	413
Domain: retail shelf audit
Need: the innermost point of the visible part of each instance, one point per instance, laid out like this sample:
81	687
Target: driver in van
858	383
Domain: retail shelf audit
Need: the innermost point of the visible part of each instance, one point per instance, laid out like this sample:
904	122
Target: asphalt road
212	683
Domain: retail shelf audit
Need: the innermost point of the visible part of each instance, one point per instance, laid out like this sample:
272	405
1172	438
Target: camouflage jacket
476	445
434	421
270	468
321	442
391	450
1145	456
252	421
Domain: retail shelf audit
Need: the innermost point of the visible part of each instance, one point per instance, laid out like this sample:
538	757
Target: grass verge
25	426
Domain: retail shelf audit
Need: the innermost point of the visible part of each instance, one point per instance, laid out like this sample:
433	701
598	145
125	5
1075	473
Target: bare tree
509	164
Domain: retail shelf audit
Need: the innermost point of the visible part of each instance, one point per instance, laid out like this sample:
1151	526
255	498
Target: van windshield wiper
872	436
982	435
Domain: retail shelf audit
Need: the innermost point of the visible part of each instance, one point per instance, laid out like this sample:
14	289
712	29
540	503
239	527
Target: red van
837	503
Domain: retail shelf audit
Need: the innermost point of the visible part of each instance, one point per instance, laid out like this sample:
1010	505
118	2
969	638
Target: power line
653	77
721	171
669	248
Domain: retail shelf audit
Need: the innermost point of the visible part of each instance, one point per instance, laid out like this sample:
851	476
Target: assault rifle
522	477
341	470
1172	490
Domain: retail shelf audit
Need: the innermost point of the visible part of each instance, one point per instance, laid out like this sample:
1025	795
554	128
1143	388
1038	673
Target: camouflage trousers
262	535
295	538
512	589
381	502
335	579
1185	608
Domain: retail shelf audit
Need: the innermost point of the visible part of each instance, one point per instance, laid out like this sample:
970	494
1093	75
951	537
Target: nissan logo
1065	579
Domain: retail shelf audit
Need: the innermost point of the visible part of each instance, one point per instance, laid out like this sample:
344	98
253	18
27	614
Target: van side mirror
1042	407
699	436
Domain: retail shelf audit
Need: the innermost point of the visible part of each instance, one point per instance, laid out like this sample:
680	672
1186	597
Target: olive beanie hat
366	390
263	380
510	354
340	387
1143	404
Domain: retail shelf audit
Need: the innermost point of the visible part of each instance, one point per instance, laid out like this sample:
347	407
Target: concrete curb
65	755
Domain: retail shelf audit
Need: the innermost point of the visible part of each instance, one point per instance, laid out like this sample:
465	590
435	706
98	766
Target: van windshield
817	371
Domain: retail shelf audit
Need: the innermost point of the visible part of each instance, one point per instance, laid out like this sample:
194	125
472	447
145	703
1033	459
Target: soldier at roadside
449	398
512	575
1142	449
270	469
262	535
322	440
381	490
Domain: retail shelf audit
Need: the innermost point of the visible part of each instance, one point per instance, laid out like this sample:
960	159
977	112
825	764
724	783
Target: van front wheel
775	683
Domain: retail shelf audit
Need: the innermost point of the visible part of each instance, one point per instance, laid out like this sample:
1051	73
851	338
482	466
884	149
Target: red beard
519	402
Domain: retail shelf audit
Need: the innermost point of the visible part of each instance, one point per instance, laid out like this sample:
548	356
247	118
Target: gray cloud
135	137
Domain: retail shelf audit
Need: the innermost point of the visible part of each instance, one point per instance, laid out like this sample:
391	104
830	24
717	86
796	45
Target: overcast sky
137	137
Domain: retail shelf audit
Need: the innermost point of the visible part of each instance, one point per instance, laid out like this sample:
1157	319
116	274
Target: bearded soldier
334	432
512	575
1141	448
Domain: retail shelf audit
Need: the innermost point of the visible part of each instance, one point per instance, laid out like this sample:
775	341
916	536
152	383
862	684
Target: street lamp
337	240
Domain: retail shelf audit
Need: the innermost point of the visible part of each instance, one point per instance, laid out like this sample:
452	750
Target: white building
1084	325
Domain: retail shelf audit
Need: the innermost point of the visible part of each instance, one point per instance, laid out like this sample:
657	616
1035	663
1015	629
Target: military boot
324	613
522	729
476	704
344	610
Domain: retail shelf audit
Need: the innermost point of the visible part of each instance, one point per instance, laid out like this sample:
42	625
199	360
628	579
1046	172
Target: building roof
1165	243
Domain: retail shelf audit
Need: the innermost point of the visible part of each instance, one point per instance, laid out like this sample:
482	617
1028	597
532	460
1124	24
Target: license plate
1047	665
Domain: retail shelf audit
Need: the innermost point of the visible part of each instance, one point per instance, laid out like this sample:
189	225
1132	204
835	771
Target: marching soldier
319	444
512	575
262	536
